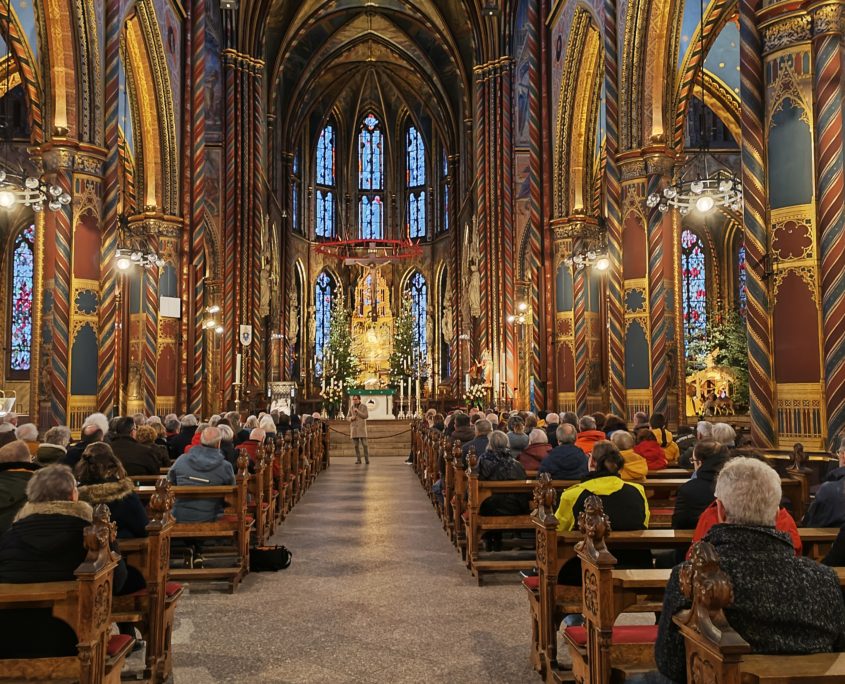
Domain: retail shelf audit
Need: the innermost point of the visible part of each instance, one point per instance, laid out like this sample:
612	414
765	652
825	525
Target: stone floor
376	593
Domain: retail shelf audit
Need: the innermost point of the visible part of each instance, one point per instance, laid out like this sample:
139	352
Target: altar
379	402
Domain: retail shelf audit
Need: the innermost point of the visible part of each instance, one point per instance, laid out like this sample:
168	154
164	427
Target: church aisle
376	593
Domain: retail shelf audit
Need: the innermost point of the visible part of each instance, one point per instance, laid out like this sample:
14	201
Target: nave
375	593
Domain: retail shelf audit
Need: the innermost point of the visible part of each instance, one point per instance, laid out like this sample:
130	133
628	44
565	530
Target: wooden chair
85	605
716	653
153	609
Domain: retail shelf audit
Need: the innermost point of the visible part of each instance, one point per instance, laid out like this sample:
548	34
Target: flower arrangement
475	396
332	397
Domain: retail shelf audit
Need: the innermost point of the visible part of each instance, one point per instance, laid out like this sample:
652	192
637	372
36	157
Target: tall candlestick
419	403
496	388
466	382
401	395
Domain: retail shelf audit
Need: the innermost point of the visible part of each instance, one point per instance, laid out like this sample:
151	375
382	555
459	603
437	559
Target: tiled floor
376	593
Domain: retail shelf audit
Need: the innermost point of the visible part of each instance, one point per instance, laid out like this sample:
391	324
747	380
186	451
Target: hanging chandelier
30	191
588	257
692	191
133	249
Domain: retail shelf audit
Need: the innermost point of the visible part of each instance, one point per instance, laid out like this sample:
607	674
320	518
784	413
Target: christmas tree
404	346
342	365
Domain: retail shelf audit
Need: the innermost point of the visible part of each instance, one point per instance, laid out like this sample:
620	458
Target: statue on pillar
293	319
472	273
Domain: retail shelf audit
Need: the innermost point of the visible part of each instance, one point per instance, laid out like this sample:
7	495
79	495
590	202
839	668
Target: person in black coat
694	496
90	434
177	444
566	461
497	463
103	480
45	544
137	459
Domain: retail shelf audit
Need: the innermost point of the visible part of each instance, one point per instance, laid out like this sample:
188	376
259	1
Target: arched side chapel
236	145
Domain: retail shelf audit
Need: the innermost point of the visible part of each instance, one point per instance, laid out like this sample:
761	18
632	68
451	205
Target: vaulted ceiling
337	55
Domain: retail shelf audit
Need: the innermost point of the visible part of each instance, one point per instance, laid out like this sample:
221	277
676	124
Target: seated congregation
695	545
87	530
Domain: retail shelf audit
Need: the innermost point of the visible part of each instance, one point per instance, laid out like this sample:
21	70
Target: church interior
455	236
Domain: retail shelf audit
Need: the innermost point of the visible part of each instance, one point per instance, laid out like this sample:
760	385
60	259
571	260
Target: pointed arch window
694	287
444	193
324	292
742	275
20	307
371	179
296	194
326	183
415	184
417	290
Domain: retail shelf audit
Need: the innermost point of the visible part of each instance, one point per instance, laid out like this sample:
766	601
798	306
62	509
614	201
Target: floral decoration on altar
475	396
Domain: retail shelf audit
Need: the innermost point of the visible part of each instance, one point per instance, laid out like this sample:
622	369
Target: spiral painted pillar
756	233
830	160
613	197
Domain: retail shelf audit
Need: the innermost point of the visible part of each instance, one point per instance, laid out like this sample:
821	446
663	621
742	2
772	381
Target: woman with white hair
538	448
28	433
781	603
497	463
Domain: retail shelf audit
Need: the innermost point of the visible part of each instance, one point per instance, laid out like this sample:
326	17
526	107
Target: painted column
795	308
613	213
830	159
494	211
761	388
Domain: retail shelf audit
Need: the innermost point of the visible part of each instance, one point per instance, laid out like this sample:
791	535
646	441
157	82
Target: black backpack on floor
269	558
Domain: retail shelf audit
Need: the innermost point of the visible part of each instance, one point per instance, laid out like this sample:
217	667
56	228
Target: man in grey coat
358	415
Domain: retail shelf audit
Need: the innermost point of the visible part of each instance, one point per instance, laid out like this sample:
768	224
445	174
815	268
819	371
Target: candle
238	369
324	378
496	387
419	404
401	394
466	381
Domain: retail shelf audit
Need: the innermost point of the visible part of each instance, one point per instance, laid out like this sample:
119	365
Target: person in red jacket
537	449
783	523
649	448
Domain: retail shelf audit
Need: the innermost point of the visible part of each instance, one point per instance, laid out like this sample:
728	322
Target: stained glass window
20	334
370	219
743	276
416	159
296	182
323	296
416	214
325	156
415	183
418	291
370	179
370	154
694	275
444	184
325	172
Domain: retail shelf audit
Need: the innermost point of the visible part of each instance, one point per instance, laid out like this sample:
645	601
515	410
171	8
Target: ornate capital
58	159
787	32
577	228
828	19
633	168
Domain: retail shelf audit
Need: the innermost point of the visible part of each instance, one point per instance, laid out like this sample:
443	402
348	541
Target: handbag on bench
269	558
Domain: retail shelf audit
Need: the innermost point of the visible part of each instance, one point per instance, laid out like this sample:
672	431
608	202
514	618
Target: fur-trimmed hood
76	509
106	492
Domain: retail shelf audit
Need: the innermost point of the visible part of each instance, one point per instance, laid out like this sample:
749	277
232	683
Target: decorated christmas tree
404	346
342	365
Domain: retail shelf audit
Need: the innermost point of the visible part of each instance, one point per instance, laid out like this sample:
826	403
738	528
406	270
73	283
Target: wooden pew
256	504
715	649
235	526
478	492
153	609
84	604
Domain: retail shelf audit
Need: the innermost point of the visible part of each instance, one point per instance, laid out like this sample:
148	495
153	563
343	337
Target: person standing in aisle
358	415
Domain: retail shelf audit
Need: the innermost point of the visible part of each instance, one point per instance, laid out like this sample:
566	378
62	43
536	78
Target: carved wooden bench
153	609
85	604
715	651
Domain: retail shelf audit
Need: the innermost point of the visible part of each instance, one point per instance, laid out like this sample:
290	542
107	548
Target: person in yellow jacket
664	439
625	503
636	467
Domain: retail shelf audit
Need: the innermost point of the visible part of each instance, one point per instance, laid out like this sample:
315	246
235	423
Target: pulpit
379	402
